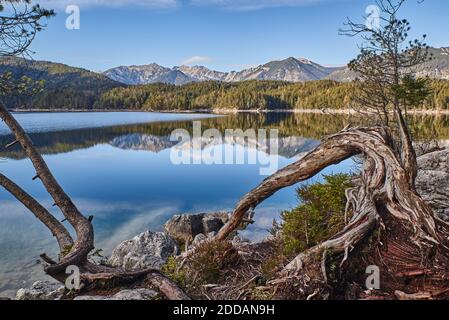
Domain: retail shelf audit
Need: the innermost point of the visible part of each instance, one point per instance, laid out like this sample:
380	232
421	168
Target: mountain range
59	76
69	87
436	68
290	70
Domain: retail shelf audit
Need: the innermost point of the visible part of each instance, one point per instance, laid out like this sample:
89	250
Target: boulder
41	290
198	239
432	182
135	294
186	227
212	224
147	250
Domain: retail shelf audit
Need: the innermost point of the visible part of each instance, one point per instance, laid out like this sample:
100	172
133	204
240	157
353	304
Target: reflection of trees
312	126
430	127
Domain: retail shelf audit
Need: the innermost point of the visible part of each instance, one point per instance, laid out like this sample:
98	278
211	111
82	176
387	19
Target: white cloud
60	4
197	60
253	4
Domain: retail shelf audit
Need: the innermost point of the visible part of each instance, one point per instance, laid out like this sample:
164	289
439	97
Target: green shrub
172	270
211	259
319	216
207	265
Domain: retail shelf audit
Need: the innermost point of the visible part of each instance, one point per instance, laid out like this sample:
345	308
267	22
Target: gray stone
187	226
91	298
41	290
198	239
212	224
432	182
136	294
184	228
147	250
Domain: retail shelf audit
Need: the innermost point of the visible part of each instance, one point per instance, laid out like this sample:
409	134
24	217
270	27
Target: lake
119	168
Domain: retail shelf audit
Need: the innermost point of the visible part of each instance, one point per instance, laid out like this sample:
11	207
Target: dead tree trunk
72	252
384	199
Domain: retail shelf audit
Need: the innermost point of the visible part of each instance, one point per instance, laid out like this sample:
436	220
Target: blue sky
220	34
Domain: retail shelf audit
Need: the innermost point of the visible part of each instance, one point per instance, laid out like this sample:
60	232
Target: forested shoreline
211	95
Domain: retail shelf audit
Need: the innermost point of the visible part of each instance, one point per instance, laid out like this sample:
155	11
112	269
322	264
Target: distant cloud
58	4
196	60
247	5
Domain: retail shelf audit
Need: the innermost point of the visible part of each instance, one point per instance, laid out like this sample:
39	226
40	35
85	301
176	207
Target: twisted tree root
384	197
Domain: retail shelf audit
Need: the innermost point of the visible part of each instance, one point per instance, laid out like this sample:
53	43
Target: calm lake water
117	167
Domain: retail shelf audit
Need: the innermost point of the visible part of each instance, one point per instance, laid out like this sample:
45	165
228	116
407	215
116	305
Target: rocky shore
149	250
153	249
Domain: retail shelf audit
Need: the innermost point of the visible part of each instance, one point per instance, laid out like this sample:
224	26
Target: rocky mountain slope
290	69
202	73
152	73
436	68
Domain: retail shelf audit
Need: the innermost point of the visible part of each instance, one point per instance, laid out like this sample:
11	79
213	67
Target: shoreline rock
184	228
432	182
41	290
128	295
146	250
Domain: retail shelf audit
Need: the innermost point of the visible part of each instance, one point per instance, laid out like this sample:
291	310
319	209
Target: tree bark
408	153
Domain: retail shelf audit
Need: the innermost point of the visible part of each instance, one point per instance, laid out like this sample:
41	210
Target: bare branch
58	230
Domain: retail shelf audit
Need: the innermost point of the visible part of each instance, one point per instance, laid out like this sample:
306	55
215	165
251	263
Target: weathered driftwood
72	252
